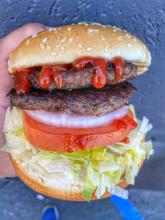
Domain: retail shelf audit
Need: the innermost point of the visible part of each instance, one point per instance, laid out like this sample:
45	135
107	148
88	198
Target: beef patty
74	79
83	102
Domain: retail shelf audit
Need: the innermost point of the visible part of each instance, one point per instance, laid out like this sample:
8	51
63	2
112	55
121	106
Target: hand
7	45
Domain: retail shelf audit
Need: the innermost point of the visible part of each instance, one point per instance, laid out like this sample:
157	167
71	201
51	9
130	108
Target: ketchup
119	65
45	77
54	72
126	140
49	73
22	82
57	70
133	123
100	72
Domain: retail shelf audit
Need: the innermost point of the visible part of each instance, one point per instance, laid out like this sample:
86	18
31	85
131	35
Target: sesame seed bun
65	44
69	193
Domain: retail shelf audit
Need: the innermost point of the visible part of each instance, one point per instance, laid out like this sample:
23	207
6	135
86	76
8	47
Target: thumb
12	40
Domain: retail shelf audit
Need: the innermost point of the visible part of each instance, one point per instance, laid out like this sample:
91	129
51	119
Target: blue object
127	210
50	213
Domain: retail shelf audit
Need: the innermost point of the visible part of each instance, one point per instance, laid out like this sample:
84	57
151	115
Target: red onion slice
76	121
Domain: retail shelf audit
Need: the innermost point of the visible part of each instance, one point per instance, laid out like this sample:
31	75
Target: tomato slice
59	139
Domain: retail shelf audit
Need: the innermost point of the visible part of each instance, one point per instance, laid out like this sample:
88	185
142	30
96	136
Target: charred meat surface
82	102
74	79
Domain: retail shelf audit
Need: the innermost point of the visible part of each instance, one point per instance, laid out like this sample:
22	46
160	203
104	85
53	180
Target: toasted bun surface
65	44
55	192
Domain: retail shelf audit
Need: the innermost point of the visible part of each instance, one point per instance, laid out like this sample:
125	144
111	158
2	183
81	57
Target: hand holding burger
71	133
7	45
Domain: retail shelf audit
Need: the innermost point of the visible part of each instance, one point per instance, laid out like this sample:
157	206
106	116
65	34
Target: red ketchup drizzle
22	82
54	72
57	70
126	140
45	77
100	72
119	65
49	73
133	124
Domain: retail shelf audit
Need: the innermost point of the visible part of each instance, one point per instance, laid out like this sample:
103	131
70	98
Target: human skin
7	45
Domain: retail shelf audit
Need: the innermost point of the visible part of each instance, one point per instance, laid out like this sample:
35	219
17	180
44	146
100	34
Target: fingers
6	168
7	45
12	40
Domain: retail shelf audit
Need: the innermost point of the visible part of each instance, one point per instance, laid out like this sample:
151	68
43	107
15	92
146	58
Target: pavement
17	201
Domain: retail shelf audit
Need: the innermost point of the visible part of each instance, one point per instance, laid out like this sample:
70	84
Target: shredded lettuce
97	171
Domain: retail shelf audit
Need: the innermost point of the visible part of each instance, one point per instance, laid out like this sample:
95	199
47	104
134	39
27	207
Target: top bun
65	44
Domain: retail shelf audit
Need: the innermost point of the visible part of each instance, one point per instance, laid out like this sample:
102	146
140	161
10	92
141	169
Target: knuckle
32	28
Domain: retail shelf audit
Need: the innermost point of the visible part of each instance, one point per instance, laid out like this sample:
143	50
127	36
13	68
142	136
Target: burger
70	131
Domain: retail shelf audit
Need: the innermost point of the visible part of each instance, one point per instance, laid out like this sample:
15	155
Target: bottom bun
54	192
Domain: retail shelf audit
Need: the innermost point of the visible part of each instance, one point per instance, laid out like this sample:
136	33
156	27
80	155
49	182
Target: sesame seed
69	28
105	26
93	30
120	37
129	45
48	47
62	48
96	30
58	45
27	42
128	36
42	46
51	29
102	37
114	30
70	39
34	35
54	54
80	46
44	40
63	40
135	40
89	49
90	30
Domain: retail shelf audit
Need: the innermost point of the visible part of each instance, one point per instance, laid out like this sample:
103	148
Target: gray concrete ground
152	175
